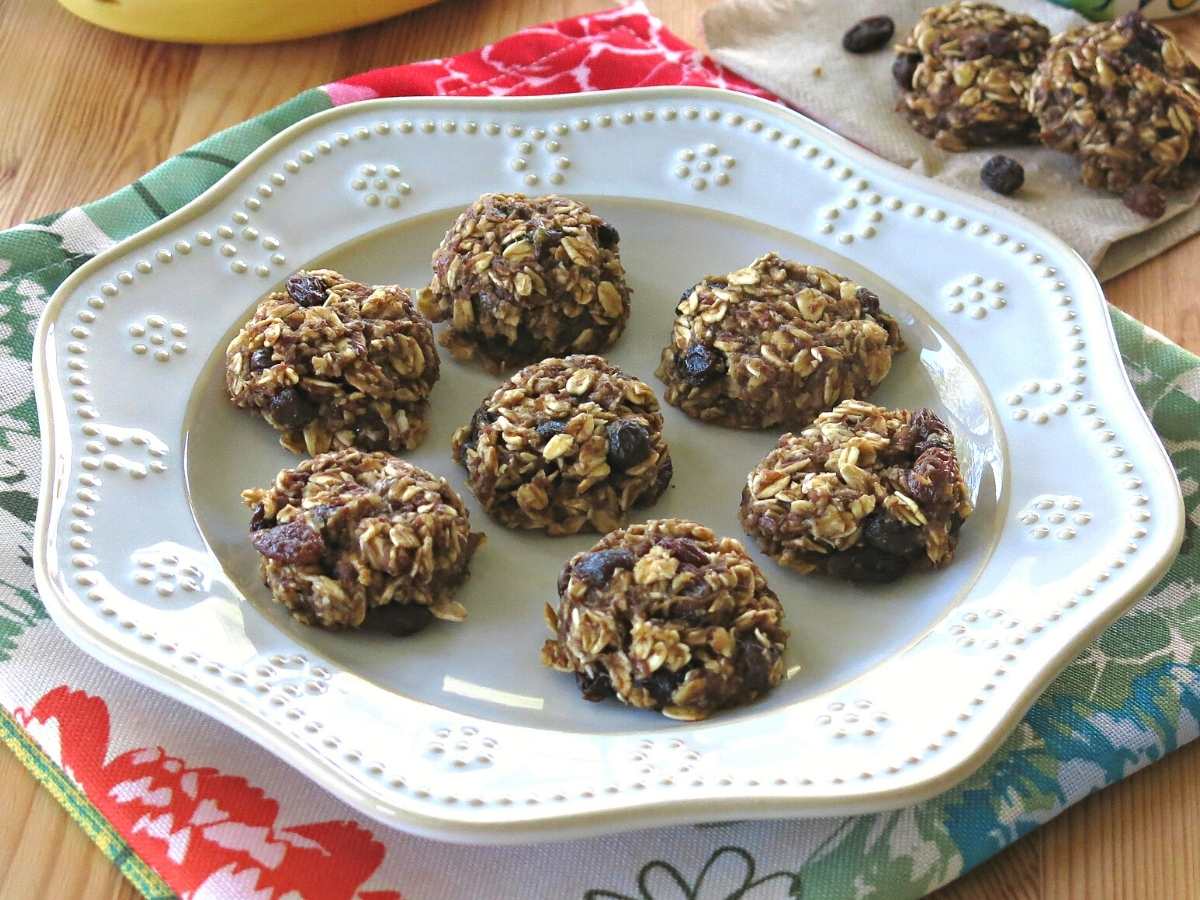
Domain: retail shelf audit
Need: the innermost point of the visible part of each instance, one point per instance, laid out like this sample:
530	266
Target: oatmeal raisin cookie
775	343
522	278
964	74
566	445
350	539
667	616
331	364
863	493
1125	99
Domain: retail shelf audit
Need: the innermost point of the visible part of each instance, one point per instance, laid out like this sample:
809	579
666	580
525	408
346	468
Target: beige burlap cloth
794	48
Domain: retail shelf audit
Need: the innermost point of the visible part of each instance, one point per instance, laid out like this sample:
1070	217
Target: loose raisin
307	290
885	532
1002	174
260	359
608	236
628	444
594	687
864	564
904	68
869	34
699	364
292	544
291	408
597	568
398	619
1146	200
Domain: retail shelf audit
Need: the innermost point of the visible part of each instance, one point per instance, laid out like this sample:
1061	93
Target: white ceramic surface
894	693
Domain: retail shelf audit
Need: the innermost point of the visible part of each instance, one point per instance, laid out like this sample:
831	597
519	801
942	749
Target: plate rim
551	825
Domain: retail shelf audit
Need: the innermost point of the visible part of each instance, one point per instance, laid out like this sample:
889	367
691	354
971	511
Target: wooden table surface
83	112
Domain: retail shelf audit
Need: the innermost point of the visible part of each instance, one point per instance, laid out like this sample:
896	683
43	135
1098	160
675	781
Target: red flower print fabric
210	835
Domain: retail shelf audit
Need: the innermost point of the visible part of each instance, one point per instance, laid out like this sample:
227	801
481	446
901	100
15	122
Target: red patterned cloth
618	48
206	833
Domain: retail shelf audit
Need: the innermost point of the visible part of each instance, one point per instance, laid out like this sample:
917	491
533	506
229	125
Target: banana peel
234	21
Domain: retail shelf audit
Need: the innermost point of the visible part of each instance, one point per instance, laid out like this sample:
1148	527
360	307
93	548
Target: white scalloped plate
894	694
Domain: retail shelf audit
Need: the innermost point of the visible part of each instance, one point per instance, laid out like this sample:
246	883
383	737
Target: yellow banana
234	21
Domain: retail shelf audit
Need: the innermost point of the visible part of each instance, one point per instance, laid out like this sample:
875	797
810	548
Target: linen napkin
186	806
794	48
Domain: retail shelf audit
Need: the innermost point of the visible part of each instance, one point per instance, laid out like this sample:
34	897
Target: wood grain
43	853
83	112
